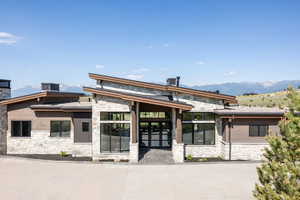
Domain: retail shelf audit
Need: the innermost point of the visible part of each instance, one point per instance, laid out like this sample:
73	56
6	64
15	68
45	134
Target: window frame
204	133
110	138
21	128
110	116
60	129
259	130
193	114
82	127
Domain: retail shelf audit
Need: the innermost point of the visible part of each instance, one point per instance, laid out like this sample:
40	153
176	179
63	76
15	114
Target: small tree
279	175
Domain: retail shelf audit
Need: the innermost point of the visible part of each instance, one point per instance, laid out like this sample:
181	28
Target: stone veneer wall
244	151
4	94
106	104
207	150
40	142
3	129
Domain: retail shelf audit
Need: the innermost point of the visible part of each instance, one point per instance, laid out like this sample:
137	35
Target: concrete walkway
38	180
156	156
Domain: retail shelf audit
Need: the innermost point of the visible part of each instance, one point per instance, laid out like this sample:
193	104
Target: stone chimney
5	93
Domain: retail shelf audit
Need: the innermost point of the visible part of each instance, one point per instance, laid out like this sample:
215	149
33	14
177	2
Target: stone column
178	126
3	129
178	146
134	145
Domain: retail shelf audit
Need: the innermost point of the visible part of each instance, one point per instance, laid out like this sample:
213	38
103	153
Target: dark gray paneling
79	135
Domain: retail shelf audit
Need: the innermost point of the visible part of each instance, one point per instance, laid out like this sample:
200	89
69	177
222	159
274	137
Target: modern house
122	117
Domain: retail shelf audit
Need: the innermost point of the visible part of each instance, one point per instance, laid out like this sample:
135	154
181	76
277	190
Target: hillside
275	99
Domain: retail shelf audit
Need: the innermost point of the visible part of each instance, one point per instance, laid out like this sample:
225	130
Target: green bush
189	157
63	154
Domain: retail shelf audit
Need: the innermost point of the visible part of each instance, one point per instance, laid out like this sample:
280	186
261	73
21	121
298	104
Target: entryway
155	134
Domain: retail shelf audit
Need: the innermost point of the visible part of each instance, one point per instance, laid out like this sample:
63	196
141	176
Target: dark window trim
193	134
60	128
120	147
259	127
110	116
203	114
21	127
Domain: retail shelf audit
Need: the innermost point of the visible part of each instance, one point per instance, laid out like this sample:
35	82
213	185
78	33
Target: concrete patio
38	180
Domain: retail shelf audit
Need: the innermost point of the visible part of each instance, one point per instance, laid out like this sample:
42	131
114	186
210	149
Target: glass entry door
155	134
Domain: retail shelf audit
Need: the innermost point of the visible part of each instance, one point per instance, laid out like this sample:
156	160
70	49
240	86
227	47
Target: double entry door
155	134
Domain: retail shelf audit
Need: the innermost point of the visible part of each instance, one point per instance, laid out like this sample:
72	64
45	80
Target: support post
179	126
133	123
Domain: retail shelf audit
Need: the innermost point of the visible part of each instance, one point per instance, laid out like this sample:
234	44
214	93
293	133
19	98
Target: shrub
63	154
189	157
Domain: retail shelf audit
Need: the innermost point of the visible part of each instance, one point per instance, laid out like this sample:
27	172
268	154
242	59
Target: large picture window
21	128
198	116
115	116
60	128
198	134
258	130
115	137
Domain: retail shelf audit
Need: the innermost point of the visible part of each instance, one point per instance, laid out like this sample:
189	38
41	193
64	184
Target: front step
156	156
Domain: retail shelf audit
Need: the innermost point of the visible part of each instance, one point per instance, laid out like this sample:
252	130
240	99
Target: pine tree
279	175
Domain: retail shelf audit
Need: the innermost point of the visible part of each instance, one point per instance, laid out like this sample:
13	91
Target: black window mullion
120	132
21	129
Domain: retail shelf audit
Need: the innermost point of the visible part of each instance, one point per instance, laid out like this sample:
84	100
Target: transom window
60	128
258	130
198	116
115	116
154	115
198	134
20	128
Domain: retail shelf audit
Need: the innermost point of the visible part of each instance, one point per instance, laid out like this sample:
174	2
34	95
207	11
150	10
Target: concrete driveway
33	179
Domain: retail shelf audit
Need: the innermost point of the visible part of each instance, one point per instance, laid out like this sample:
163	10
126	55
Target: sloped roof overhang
170	88
138	98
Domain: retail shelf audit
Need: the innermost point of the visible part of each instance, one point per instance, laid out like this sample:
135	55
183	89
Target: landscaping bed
200	159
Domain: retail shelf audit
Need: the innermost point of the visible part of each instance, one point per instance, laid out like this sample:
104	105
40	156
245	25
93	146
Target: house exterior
122	117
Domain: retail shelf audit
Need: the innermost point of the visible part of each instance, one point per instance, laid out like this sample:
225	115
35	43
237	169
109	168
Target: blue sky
202	41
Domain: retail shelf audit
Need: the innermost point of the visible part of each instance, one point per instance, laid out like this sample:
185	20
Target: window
115	137
160	115
60	128
198	116
85	126
21	128
115	116
199	134
258	130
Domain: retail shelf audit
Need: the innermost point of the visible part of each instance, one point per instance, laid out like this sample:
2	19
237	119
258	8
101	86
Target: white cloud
99	66
8	38
149	46
200	62
135	76
231	73
166	45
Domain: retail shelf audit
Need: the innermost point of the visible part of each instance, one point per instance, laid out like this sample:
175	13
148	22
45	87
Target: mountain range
236	89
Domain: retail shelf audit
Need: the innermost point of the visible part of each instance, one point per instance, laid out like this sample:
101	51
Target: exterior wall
207	150
40	141
5	93
244	151
3	129
201	104
106	104
240	130
130	89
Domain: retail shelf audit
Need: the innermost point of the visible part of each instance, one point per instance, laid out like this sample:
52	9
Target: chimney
171	81
177	81
50	87
5	91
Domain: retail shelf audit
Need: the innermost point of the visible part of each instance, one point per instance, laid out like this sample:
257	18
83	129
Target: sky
203	41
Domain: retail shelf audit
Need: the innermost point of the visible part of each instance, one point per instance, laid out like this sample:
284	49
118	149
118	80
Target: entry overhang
138	98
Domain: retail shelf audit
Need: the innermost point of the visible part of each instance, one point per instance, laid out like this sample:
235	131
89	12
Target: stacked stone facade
5	93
